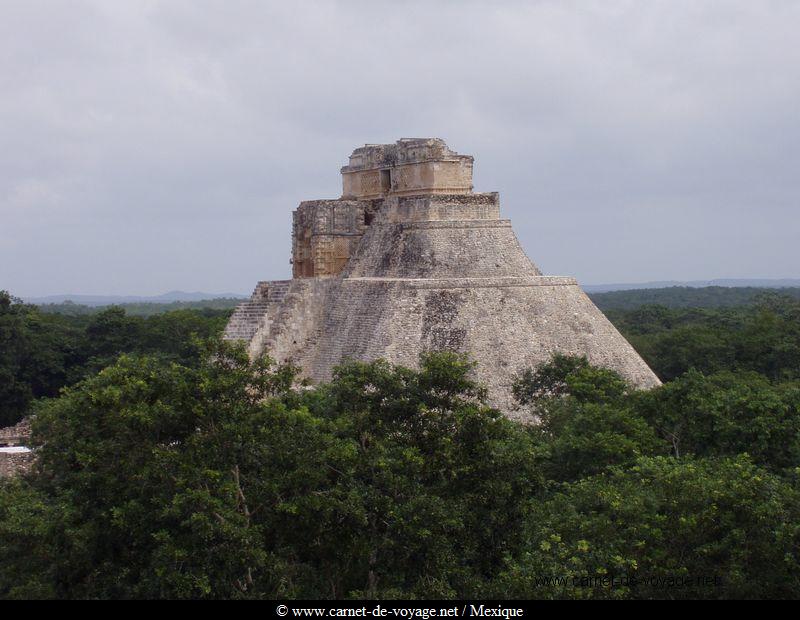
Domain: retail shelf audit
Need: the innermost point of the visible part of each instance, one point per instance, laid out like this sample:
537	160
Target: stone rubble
15	458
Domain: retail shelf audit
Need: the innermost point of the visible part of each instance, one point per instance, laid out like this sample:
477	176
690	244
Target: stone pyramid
408	260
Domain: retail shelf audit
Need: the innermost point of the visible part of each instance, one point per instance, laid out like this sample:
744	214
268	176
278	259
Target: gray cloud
149	146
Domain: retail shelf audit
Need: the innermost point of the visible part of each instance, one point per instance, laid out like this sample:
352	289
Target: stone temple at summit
410	260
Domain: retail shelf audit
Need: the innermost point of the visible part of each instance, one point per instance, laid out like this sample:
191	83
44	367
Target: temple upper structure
411	166
326	232
410	260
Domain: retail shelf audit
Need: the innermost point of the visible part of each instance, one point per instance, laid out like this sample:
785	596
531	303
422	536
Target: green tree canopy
219	481
664	528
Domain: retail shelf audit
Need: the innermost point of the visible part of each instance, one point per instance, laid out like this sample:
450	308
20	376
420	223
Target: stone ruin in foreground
409	260
15	457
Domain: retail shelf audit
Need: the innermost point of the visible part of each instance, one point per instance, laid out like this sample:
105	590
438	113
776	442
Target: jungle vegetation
169	465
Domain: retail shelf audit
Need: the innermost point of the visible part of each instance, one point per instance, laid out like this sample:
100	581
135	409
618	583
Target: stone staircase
274	290
252	314
290	332
279	321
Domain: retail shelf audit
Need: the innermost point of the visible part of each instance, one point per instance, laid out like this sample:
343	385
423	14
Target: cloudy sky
151	145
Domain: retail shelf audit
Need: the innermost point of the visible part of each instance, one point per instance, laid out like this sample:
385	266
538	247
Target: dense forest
170	465
688	297
42	352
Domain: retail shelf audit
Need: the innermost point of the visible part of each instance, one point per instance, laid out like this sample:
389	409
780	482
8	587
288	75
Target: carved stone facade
409	166
411	260
324	234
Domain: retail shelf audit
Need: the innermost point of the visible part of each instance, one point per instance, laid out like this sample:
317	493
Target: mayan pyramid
410	259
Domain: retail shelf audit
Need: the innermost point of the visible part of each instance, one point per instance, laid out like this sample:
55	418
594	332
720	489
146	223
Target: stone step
250	316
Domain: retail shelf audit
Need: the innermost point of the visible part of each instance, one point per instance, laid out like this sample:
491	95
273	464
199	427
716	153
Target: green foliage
15	394
30	524
585	422
33	356
550	379
40	353
726	414
582	439
218	481
436	479
663	528
568	375
147	456
764	338
172	466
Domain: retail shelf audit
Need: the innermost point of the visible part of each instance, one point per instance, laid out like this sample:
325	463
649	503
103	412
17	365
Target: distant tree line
688	297
763	337
41	352
142	308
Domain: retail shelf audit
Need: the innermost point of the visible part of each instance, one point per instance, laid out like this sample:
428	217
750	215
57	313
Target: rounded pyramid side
505	324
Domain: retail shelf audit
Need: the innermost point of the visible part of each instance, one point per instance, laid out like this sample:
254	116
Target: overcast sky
147	146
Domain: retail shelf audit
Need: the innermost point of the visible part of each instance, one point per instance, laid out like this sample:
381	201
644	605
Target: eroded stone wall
15	464
428	239
411	166
436	177
324	235
505	323
11	437
445	207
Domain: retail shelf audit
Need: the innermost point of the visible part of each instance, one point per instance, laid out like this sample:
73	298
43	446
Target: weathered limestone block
324	235
15	464
15	457
505	323
441	207
408	167
16	435
441	249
